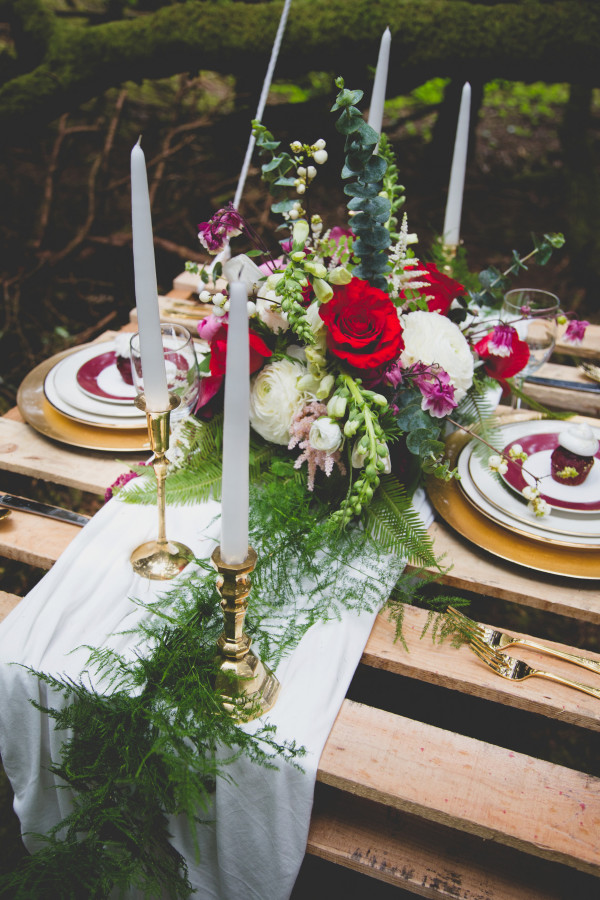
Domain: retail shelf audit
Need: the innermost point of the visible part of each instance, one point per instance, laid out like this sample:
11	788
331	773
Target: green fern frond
396	526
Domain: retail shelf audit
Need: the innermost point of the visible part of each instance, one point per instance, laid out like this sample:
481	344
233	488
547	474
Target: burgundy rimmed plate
99	377
579	498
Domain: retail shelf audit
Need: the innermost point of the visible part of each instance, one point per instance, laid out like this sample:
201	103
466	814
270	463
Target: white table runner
255	845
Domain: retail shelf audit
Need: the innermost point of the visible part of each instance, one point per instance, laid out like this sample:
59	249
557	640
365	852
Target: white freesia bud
323	291
340	275
316	269
358	456
272	282
325	434
300	234
325	388
336	408
309	384
315	356
320	157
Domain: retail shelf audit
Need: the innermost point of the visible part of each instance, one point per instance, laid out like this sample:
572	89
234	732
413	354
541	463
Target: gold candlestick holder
449	252
160	559
248	687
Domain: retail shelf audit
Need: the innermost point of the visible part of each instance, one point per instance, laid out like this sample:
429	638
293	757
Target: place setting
486	504
85	396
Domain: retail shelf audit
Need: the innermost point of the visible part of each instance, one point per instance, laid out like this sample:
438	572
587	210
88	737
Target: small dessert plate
579	498
99	377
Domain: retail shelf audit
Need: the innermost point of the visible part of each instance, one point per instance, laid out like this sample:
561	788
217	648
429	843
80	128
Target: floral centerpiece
361	353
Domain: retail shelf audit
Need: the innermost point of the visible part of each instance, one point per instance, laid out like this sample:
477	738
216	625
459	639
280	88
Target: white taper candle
380	83
451	232
236	430
146	291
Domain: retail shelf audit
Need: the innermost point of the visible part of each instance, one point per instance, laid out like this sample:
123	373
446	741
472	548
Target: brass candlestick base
248	687
449	252
160	559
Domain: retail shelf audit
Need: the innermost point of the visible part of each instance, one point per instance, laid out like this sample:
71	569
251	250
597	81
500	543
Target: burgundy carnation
505	365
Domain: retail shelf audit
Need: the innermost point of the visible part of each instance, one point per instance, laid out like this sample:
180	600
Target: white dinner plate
488	494
63	392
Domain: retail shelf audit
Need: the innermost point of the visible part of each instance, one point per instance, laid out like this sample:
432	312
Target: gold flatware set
488	643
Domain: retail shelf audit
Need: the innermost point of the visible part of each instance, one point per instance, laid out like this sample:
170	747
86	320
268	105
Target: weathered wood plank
477	571
460	670
428	859
588	349
25	452
495	793
584	402
7	603
35	540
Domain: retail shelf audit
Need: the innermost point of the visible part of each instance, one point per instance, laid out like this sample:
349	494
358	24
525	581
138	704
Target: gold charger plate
41	415
452	505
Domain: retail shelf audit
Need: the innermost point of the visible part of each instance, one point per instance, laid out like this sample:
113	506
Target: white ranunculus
325	434
432	338
275	398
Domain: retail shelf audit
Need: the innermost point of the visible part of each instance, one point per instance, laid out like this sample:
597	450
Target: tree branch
550	41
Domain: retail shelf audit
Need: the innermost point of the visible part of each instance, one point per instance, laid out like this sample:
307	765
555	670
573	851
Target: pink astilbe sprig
315	459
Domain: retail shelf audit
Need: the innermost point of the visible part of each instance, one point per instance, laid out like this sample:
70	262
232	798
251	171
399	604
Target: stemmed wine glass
181	367
533	313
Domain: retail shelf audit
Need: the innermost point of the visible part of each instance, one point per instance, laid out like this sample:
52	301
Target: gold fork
516	670
499	640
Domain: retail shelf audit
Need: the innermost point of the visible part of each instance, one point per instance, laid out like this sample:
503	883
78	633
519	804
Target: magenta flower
575	332
501	340
225	224
438	393
393	375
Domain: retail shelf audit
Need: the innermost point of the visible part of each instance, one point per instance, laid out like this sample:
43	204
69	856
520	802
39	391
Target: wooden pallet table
423	807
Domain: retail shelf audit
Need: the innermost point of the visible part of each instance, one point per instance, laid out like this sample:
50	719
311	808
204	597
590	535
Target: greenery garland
142	744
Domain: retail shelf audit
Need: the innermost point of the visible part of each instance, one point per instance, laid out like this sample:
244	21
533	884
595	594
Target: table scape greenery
362	355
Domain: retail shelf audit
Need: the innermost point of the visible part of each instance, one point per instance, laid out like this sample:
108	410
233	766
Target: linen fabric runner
253	842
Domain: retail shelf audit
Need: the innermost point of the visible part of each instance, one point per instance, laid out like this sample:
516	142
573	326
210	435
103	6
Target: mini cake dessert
572	460
122	357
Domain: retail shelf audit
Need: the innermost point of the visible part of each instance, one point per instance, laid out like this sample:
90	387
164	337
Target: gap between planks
431	860
494	793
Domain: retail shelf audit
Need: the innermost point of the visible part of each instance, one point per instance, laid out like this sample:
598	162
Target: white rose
431	338
275	398
325	434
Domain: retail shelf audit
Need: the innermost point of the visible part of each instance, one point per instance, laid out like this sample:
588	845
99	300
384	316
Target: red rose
507	365
363	327
441	289
211	384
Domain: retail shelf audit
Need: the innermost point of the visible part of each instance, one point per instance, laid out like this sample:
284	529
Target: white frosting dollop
579	439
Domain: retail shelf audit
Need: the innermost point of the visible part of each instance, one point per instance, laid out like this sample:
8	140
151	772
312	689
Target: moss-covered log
62	64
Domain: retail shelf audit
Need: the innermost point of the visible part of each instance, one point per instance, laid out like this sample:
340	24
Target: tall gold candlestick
160	559
248	687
